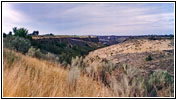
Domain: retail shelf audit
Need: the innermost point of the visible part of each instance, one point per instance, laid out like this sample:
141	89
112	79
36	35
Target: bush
73	75
17	43
35	53
161	83
130	84
148	58
74	71
108	66
51	56
161	79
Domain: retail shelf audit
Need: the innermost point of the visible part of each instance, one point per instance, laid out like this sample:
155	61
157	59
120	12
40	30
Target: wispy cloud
95	18
11	17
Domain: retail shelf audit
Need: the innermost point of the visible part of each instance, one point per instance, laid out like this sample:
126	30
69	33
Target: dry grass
24	76
30	77
132	46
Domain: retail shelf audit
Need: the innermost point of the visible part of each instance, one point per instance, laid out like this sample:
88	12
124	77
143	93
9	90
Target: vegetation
148	58
162	82
4	35
57	69
17	43
63	51
30	77
131	81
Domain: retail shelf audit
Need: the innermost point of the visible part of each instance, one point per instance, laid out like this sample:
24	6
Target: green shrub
161	79
35	53
148	58
17	43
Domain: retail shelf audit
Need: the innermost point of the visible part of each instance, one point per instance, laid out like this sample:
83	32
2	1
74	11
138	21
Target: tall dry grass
24	76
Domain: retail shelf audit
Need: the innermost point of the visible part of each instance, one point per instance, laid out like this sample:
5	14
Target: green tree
10	33
4	35
21	32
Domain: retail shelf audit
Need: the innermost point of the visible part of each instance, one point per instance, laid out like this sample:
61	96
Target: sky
90	18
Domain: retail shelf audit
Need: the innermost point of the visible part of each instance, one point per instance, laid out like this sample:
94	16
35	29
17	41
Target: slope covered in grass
24	76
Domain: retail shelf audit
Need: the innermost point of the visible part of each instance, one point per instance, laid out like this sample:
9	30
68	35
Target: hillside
24	76
66	47
134	52
94	75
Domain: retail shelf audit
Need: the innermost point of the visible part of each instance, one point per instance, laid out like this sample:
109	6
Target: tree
14	29
4	34
21	32
10	33
51	34
35	33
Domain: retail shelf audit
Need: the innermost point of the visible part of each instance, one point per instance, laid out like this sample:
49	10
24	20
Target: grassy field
139	71
24	76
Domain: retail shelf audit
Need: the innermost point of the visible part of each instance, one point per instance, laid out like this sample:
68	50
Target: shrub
77	62
51	56
108	66
73	75
148	58
31	52
161	79
35	53
17	43
161	83
130	84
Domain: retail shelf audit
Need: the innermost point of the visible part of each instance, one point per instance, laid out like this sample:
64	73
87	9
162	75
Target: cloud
97	18
119	20
12	18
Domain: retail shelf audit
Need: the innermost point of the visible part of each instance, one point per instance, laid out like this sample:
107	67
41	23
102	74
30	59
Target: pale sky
90	18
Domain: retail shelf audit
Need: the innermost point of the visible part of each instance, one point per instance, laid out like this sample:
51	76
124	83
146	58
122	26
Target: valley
88	50
121	69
